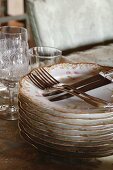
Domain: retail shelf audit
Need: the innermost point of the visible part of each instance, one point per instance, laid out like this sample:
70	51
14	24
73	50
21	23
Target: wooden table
16	154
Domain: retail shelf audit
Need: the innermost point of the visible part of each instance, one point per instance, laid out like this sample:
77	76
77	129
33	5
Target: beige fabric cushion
72	23
102	55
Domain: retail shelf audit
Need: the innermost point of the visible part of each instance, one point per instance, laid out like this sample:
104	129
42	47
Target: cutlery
101	79
42	79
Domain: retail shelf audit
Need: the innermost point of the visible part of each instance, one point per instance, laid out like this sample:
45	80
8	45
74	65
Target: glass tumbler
44	56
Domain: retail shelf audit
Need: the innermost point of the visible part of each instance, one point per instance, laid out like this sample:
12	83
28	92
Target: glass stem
11	96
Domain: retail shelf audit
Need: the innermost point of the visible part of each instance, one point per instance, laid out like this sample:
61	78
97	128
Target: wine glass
13	64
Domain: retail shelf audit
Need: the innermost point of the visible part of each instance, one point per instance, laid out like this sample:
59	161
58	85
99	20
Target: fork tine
49	75
39	80
40	77
46	77
45	80
32	78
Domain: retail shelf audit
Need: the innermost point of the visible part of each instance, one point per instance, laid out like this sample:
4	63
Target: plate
70	126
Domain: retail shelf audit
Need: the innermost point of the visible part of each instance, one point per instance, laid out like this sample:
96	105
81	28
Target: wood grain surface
17	154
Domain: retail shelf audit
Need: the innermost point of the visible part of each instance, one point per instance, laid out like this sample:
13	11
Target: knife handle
107	74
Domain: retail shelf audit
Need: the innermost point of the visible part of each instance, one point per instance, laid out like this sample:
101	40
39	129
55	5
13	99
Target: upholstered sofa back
67	24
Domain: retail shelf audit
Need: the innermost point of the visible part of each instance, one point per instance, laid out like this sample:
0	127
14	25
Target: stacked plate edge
68	128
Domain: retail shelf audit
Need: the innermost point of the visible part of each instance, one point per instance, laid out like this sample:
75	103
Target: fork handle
89	99
87	95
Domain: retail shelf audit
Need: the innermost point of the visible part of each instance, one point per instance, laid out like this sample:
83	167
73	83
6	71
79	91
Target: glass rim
30	51
21	28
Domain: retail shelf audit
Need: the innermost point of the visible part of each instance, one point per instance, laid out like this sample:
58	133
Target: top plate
68	73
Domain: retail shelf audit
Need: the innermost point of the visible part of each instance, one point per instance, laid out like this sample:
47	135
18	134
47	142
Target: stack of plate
67	128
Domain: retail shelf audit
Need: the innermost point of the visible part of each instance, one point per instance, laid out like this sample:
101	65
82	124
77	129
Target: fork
44	80
100	79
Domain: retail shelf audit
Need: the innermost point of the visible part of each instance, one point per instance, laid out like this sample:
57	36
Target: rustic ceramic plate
77	152
71	125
